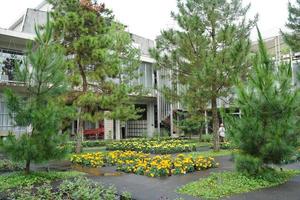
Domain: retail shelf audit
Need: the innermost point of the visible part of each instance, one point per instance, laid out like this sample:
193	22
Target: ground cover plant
167	146
220	185
19	179
7	165
145	164
78	188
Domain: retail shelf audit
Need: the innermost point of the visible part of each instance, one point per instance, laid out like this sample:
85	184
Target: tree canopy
39	109
206	53
102	60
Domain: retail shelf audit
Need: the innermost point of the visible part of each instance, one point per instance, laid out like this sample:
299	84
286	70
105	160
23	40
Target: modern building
12	45
158	113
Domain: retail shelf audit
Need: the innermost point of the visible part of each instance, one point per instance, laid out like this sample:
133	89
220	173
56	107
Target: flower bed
153	146
143	164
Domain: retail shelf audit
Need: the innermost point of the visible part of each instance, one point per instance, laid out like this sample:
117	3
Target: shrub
18	179
248	164
206	138
79	188
8	165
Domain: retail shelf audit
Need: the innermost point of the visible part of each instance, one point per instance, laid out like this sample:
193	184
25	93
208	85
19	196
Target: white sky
148	17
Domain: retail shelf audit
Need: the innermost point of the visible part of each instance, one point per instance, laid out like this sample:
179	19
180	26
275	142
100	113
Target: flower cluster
89	159
153	146
145	164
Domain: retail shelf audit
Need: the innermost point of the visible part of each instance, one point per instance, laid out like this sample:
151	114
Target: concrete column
206	123
108	129
150	120
118	130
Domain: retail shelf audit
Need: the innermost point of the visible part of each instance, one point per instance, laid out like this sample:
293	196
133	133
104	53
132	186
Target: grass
212	153
220	185
202	144
93	149
18	179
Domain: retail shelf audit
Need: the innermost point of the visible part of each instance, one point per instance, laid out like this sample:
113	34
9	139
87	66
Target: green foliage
268	128
190	125
248	164
102	61
206	138
220	185
206	54
79	188
167	146
18	179
163	134
40	107
293	38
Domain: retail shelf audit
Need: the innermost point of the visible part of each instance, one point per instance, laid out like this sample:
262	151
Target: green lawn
93	149
212	153
18	179
220	185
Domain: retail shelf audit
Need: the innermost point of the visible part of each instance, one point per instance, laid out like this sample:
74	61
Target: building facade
12	45
158	115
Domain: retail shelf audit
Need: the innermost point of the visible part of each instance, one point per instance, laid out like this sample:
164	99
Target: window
8	61
6	123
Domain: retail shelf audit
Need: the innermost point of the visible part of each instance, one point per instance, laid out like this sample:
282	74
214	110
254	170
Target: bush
18	179
206	138
8	166
79	188
248	164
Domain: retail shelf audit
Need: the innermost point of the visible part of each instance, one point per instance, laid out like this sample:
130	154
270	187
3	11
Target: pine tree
268	128
39	108
102	61
293	38
206	53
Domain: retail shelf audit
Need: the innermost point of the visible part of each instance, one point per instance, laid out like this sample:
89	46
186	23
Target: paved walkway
146	188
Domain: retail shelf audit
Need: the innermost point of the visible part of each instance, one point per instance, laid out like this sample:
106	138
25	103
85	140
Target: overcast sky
148	17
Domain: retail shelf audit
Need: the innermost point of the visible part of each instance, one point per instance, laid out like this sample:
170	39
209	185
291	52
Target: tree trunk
27	167
84	90
79	136
215	122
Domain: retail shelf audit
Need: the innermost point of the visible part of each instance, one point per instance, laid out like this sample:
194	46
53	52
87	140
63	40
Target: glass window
8	61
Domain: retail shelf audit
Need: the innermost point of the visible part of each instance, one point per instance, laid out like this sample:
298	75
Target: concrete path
146	188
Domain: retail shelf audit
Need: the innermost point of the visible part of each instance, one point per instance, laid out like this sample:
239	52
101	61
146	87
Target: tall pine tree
39	108
206	53
267	132
102	61
293	38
